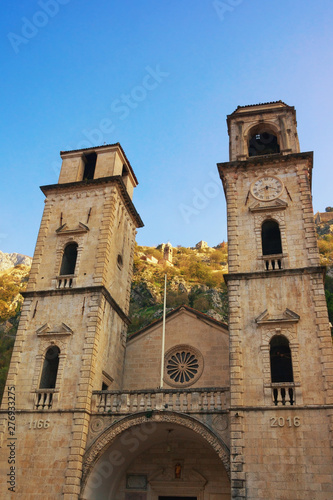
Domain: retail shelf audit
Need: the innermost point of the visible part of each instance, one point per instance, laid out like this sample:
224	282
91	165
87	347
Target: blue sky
68	64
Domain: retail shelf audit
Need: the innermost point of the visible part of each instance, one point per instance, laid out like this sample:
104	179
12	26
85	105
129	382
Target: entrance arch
167	453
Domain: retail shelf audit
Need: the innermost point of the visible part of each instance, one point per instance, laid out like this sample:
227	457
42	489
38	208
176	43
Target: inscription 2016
285	422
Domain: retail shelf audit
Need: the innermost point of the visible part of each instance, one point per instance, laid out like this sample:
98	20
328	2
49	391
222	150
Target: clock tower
281	361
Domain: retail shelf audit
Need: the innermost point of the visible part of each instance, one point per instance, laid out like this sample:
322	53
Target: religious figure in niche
178	471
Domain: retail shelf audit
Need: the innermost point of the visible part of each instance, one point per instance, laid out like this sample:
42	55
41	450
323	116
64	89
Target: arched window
50	368
263	143
271	238
69	260
280	356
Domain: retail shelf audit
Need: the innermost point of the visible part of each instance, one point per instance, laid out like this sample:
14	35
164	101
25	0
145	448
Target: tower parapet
262	129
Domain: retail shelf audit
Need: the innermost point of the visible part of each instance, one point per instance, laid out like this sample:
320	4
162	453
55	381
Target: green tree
176	298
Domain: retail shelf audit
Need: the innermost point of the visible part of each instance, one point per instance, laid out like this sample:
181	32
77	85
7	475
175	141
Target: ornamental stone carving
183	366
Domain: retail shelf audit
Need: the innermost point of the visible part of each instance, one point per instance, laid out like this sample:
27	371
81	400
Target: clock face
267	188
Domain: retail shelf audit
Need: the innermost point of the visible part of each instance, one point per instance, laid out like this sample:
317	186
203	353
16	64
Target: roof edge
189	309
116	179
104	146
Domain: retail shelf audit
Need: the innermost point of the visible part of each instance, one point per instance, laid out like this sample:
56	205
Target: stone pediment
64	229
175	315
287	316
46	329
260	206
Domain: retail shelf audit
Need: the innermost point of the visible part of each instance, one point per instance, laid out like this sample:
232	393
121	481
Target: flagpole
163	332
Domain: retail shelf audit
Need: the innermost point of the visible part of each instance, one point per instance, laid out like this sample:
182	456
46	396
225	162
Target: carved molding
46	329
81	228
288	316
62	243
274	205
107	379
290	332
45	344
259	217
183	365
287	331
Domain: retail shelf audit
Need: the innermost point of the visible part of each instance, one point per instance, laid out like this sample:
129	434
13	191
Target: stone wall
143	353
286	455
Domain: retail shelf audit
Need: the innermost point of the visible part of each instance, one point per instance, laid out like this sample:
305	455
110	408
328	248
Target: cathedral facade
237	411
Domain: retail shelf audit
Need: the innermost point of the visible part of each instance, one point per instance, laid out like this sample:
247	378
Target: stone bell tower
280	344
71	337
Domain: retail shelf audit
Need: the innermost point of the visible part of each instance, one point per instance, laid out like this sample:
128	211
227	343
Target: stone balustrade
273	262
65	281
44	399
283	394
198	400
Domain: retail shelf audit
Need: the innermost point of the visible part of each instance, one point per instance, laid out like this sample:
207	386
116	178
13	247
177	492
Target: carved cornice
81	228
265	160
275	273
288	316
94	183
266	207
81	290
47	330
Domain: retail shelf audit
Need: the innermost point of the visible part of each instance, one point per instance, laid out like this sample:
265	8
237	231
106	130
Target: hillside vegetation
325	244
195	278
12	282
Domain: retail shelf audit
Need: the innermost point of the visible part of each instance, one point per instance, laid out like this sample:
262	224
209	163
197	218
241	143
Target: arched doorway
165	456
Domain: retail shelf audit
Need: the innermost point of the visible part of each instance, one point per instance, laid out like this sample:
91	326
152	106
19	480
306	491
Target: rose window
183	366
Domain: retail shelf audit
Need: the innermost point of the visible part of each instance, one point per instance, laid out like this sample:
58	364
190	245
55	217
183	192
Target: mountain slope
194	278
9	260
13	281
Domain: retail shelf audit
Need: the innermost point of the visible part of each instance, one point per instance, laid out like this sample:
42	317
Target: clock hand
266	187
